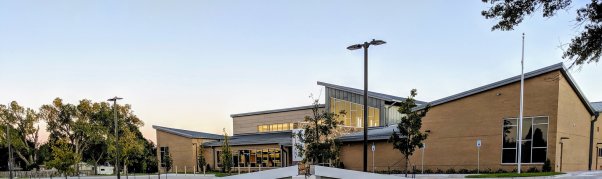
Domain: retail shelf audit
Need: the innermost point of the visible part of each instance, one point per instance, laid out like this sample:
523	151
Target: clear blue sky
190	64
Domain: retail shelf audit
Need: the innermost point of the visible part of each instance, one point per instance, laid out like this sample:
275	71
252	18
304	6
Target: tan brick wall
385	157
455	126
248	124
574	123
181	149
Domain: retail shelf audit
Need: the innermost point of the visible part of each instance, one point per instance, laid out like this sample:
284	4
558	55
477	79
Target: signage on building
296	142
479	143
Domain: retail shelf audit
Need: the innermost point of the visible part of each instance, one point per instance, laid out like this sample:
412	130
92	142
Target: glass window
164	152
376	118
534	140
354	113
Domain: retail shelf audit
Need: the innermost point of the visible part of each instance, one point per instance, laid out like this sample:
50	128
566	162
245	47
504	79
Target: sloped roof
528	75
276	110
376	133
188	134
597	106
280	138
376	95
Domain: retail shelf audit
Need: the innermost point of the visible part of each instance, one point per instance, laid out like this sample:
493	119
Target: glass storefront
354	113
254	158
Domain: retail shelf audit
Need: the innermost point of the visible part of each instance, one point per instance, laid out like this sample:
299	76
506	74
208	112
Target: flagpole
520	120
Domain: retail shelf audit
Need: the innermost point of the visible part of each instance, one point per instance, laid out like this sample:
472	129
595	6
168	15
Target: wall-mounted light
428	131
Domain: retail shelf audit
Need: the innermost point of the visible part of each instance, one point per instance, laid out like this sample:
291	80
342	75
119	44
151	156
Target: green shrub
463	171
428	171
439	171
450	171
500	171
532	170
547	166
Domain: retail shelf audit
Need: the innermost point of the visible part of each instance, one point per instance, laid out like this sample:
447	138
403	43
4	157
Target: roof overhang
556	67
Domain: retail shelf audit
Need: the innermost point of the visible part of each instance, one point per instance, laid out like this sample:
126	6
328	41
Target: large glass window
164	152
275	127
354	113
254	158
534	140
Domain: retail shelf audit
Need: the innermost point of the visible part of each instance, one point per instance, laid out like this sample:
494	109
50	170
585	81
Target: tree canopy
80	132
408	136
583	48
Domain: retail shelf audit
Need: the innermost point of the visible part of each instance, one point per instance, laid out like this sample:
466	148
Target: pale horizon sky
190	64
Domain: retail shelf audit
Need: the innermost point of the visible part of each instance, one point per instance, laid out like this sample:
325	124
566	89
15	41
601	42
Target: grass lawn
509	175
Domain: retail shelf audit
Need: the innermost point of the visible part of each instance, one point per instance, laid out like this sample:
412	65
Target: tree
24	132
226	154
73	125
319	144
584	48
408	136
168	162
201	162
63	158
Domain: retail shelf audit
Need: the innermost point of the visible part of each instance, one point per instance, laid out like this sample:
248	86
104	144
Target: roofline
166	129
276	111
343	88
558	66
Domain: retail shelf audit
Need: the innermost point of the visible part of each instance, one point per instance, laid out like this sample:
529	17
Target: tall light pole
10	152
114	99
10	149
365	45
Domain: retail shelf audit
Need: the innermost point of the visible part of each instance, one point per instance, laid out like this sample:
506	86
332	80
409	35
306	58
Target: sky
190	64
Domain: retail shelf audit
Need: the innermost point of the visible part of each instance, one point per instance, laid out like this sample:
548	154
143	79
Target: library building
560	124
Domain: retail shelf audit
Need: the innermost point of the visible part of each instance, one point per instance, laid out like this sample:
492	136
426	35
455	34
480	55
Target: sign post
373	149
478	155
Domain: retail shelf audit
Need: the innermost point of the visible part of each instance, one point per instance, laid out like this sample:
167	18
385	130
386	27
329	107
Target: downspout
591	139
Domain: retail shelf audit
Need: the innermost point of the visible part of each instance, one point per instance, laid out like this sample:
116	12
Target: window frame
516	146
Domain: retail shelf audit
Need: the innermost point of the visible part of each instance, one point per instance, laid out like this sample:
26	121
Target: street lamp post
10	149
365	45
114	99
10	153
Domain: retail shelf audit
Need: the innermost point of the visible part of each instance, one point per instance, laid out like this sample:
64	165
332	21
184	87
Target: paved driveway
163	176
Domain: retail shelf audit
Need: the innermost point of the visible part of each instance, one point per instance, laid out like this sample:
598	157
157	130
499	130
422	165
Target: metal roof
531	74
276	110
280	138
597	106
376	133
376	95
188	134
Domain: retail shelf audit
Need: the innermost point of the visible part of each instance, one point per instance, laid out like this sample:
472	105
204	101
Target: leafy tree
318	139
226	155
63	158
168	162
408	136
131	141
584	48
201	161
24	133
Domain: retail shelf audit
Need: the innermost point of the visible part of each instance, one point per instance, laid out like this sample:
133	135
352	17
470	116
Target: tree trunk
407	163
